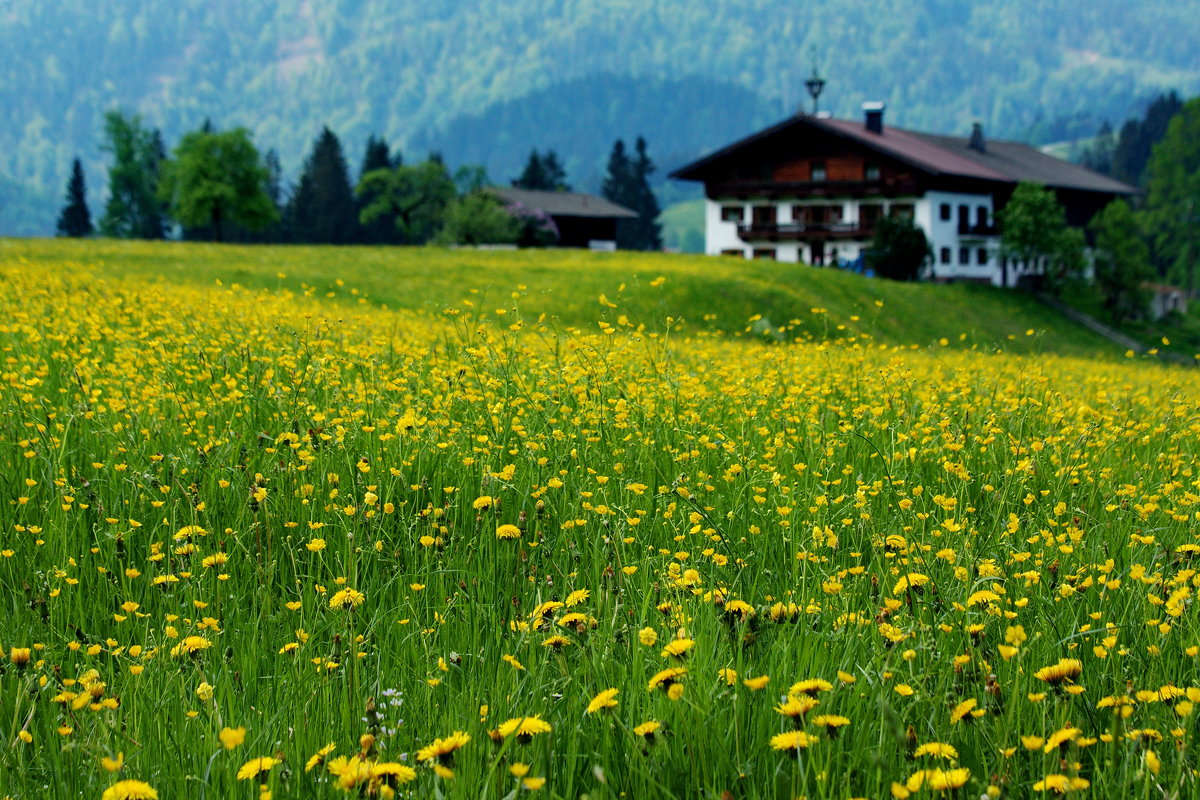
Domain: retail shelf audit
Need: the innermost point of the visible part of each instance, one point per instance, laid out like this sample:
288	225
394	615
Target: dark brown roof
563	204
1003	161
915	148
1020	162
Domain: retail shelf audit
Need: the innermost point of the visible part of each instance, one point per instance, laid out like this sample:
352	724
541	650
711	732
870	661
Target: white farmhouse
811	188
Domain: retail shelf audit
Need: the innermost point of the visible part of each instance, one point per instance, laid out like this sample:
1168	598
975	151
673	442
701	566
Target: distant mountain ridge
1032	69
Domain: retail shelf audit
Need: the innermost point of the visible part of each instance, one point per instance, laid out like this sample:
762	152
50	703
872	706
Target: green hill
690	294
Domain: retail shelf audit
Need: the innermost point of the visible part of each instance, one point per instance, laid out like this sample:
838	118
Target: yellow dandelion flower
524	728
255	766
130	790
663	679
443	749
346	599
792	740
604	700
232	737
678	648
937	750
1066	670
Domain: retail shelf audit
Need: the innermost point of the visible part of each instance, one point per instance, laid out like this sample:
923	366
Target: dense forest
416	71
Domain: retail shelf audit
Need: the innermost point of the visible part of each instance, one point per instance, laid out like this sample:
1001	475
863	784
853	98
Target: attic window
818	171
871	173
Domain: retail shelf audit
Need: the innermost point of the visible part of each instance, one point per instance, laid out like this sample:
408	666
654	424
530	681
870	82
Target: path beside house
1113	335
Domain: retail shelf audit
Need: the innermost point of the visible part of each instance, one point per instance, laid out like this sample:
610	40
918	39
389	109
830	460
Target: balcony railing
770	188
966	229
795	231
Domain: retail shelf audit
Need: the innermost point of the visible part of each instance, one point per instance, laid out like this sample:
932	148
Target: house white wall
981	250
945	239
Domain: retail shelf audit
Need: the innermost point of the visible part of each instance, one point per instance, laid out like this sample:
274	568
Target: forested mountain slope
1038	69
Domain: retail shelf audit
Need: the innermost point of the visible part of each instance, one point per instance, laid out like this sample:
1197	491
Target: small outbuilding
582	220
1165	300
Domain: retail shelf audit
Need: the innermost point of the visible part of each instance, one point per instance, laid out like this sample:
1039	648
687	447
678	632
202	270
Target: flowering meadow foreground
260	544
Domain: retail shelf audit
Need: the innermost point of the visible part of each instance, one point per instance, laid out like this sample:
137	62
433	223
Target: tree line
216	186
1154	236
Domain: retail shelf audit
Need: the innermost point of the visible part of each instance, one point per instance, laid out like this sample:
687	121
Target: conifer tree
75	219
1131	154
322	209
543	173
627	184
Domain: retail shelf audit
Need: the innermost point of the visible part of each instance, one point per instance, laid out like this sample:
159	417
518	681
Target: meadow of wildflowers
260	542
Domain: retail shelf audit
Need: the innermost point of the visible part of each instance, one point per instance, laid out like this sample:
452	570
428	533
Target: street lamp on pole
815	85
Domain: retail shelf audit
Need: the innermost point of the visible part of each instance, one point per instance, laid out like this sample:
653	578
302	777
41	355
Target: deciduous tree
1122	261
1173	196
1035	233
899	249
133	210
377	155
413	198
478	218
218	179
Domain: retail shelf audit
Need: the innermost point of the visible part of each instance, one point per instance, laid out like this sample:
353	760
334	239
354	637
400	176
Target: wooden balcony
756	189
803	231
977	230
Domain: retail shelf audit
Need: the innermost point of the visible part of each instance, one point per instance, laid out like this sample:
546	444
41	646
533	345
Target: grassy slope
705	293
681	219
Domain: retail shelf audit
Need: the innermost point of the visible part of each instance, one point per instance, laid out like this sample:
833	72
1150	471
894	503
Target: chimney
977	141
874	116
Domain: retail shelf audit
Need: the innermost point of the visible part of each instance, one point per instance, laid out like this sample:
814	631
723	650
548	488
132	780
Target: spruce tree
627	184
75	219
322	210
646	233
1132	152
543	173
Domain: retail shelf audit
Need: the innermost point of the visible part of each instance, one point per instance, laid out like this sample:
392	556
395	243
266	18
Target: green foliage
471	178
1173	196
216	179
322	209
133	210
1122	262
899	250
1132	149
478	218
414	197
543	173
627	184
75	220
377	155
1035	233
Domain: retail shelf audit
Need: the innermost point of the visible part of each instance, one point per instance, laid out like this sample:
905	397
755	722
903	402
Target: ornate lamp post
815	85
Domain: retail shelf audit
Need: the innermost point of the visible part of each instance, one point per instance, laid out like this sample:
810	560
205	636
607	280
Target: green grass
683	226
920	530
699	293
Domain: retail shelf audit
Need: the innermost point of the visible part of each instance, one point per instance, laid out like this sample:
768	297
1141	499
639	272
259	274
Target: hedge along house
583	220
811	188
